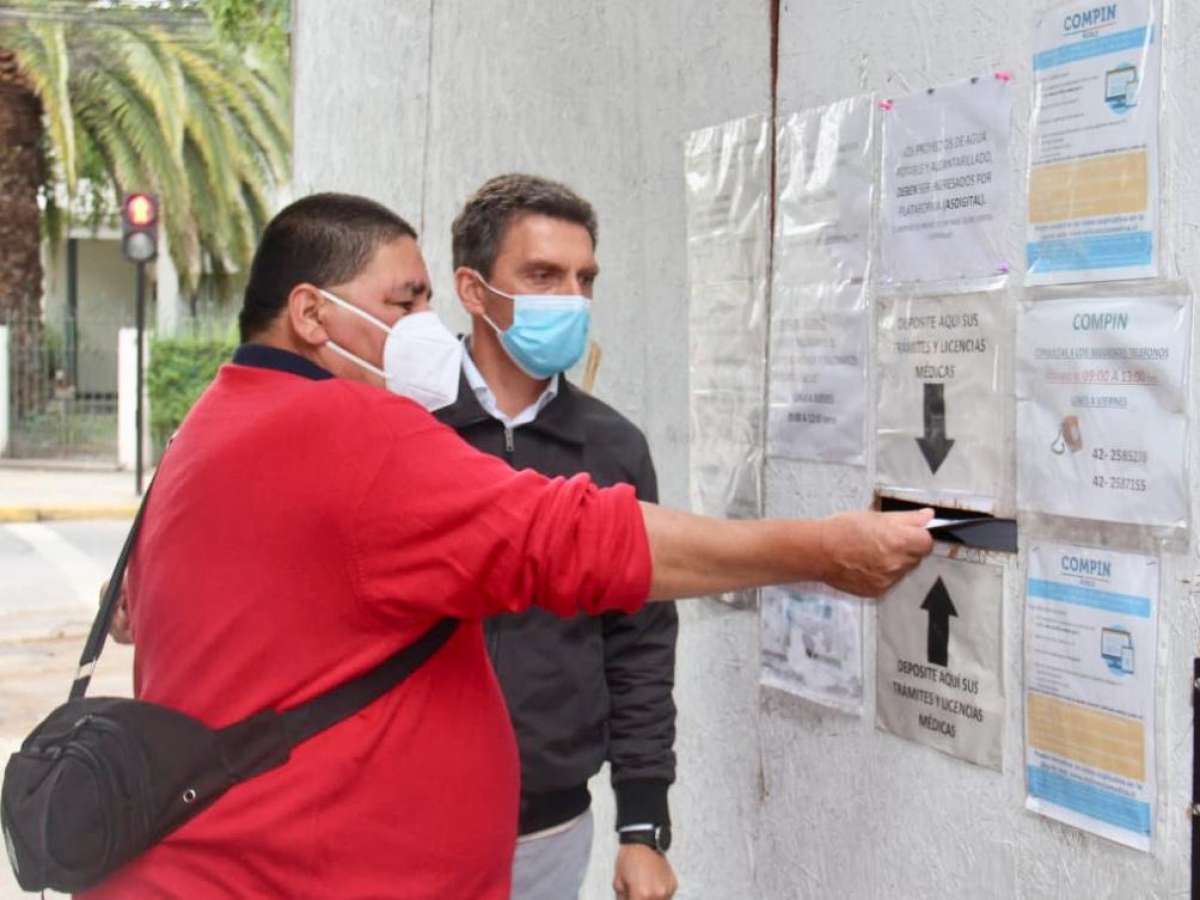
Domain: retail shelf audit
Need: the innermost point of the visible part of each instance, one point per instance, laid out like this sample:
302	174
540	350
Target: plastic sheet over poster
945	186
822	259
943	405
1091	647
812	645
728	205
940	664
1093	144
1102	408
728	170
826	179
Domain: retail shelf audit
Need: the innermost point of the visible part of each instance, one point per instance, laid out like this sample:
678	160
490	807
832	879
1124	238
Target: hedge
180	369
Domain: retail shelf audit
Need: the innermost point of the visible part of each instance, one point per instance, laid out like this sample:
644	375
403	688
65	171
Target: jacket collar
558	419
260	356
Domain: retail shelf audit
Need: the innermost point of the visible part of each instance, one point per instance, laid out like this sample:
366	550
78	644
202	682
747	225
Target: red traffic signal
139	227
141	210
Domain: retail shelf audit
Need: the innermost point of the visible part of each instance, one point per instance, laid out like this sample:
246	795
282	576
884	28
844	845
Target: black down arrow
940	608
935	446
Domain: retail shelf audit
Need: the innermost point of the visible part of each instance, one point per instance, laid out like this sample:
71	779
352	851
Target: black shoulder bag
102	779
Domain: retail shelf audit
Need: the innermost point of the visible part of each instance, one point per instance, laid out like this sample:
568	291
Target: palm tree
21	174
126	106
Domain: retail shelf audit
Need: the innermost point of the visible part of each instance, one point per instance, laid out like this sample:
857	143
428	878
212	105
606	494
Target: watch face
662	837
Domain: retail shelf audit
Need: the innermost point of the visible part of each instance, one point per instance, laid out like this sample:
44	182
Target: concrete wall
361	79
921	824
415	103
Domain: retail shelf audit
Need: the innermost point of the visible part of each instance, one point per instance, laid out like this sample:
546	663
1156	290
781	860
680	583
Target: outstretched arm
862	553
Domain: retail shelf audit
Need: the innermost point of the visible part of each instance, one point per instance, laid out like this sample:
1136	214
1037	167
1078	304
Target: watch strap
656	837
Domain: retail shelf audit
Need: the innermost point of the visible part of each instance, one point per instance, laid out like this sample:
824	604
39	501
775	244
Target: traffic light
139	227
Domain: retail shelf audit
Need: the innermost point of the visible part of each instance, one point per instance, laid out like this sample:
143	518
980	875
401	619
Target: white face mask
422	359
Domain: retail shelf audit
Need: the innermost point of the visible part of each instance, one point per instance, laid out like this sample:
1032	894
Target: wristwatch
657	837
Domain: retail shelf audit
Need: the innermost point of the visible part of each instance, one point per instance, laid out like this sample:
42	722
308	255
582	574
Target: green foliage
251	23
179	371
140	106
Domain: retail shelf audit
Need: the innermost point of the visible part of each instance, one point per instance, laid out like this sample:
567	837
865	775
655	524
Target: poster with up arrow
940	608
942	405
939	666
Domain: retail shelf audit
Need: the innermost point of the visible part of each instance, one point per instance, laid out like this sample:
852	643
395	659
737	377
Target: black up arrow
940	608
935	446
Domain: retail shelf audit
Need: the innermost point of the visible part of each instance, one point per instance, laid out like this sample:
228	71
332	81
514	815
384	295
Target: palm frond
204	127
146	57
42	53
263	124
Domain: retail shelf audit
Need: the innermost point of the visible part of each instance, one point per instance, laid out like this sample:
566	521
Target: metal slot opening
962	526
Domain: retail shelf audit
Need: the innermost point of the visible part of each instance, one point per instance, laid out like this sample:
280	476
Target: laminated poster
812	644
1091	635
1093	144
940	658
944	420
1102	408
945	184
819	316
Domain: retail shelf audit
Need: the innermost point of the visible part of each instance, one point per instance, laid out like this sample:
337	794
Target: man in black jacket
579	691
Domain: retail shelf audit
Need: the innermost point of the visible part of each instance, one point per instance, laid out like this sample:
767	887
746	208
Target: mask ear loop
362	313
342	351
358	360
494	290
496	328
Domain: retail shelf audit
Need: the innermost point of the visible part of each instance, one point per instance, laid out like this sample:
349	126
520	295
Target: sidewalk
50	588
36	675
43	493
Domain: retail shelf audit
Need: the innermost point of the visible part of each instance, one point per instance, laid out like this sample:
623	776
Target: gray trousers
553	867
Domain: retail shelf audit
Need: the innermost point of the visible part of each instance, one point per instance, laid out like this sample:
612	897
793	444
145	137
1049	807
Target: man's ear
305	309
471	291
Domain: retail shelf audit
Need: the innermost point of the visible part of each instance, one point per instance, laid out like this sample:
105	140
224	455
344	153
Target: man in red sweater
306	523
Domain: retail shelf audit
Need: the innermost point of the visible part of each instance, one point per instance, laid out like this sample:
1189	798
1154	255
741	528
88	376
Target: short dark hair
480	227
321	239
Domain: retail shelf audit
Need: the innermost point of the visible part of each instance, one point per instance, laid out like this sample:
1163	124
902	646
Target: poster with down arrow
939	665
942	410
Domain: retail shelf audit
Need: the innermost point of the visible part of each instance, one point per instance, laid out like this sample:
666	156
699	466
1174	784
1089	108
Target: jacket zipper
491	627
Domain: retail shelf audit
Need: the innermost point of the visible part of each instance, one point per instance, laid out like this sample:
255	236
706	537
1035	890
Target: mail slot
962	526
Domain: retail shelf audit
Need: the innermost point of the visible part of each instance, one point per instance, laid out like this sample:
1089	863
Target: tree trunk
21	166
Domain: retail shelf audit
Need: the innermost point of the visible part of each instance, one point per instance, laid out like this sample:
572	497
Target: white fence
127	399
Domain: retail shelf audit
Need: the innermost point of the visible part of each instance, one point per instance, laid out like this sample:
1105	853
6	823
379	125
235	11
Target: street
52	572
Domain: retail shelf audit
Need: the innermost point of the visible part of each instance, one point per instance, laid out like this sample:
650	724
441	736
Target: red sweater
299	532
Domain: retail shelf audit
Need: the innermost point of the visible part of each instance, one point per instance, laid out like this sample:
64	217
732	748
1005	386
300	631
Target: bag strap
108	605
300	722
303	721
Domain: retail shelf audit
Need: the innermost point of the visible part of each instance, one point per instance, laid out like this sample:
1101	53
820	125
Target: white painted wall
416	103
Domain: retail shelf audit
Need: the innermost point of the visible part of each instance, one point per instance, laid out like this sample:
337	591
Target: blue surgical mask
548	333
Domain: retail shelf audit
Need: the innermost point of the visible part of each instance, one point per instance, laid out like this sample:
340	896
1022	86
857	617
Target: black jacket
582	690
